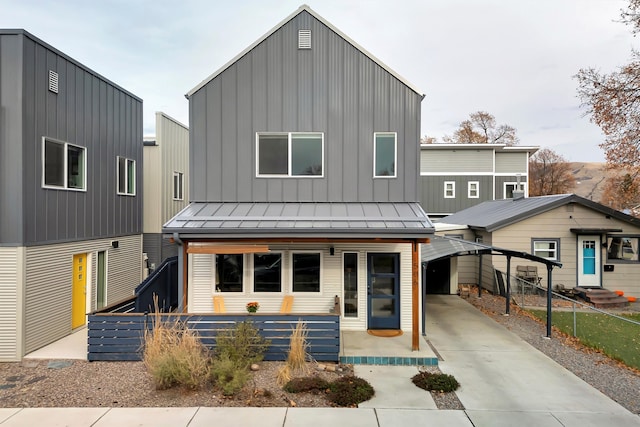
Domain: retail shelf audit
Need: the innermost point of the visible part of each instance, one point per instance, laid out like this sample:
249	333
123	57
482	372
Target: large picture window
622	248
294	154
306	272
126	176
229	272
64	165
546	248
267	272
384	155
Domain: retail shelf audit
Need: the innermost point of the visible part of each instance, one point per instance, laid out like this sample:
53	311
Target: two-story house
304	154
166	184
457	176
70	200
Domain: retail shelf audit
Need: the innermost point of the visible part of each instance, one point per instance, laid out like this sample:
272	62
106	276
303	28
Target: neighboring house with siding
457	176
166	184
70	198
597	246
304	175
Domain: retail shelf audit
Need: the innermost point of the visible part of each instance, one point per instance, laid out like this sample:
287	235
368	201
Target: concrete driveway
506	381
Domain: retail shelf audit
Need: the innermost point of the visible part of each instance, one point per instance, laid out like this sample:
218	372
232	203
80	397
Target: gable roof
304	8
496	214
301	220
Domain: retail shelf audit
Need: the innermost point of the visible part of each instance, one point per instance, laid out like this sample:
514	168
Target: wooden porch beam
226	249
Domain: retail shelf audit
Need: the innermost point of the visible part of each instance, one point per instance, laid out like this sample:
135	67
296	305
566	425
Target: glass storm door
383	287
588	261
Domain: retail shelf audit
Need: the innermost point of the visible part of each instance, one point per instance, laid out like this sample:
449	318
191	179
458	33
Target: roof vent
304	39
53	81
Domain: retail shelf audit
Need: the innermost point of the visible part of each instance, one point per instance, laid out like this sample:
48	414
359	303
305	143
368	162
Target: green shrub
299	385
175	356
242	344
435	382
229	375
349	391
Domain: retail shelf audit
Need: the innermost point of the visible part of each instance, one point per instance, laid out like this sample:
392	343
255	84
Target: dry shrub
297	358
174	355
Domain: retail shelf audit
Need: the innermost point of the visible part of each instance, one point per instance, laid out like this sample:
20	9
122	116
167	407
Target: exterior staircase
600	297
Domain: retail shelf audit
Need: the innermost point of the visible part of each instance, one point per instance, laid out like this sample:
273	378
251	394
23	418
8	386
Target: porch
360	348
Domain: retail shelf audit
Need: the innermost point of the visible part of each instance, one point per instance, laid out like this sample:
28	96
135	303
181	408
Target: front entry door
588	261
79	291
383	286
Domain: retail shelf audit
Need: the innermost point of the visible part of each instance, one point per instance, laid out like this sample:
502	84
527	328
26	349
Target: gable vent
304	39
53	81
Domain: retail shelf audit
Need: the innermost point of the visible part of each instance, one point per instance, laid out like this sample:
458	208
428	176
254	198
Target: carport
442	247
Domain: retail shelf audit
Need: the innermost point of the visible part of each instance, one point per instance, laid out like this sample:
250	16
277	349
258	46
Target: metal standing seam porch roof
301	219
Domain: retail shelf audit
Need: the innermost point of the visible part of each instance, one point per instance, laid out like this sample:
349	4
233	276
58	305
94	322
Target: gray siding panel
433	201
512	162
456	161
332	88
11	152
90	112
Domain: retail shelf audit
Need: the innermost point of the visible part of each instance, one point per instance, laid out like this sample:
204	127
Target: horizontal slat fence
119	337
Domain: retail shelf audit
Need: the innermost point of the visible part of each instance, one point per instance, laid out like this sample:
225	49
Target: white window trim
126	169
523	187
358	293
252	276
556	241
179	175
453	190
395	155
289	154
291	254
469	189
66	177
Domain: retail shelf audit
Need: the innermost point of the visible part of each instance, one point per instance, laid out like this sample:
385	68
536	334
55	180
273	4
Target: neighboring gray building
70	199
457	176
166	184
304	180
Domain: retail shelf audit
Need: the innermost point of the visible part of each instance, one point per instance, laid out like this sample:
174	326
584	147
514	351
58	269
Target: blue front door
383	287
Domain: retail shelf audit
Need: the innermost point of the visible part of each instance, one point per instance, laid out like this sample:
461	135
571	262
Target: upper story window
384	154
473	189
510	187
546	248
293	154
126	176
622	248
449	189
178	186
64	165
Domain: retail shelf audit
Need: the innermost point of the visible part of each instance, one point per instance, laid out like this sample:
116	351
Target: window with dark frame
350	281
306	272
622	248
229	272
178	186
267	272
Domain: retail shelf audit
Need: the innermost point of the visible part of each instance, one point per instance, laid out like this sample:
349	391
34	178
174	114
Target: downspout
181	256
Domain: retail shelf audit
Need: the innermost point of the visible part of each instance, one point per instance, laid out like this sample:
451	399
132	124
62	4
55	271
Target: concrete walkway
504	382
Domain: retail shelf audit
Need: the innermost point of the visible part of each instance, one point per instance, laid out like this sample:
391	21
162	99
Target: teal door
383	288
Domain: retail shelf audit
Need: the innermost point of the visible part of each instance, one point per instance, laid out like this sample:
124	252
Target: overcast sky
513	59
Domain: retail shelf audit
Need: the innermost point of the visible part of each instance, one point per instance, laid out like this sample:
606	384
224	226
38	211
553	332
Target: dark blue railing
163	283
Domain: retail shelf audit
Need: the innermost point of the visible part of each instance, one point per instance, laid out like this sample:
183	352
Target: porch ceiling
301	219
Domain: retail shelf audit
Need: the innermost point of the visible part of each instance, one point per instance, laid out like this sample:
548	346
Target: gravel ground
45	383
620	383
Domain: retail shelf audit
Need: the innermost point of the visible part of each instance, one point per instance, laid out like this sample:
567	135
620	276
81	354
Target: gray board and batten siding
434	202
334	87
89	111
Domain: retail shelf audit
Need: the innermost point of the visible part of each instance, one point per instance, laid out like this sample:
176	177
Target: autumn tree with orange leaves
549	173
482	128
622	193
613	103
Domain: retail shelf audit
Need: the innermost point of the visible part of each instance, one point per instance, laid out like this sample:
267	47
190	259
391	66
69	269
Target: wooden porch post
415	296
185	275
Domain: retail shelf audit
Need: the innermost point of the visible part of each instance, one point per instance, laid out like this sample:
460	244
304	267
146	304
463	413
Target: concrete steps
600	297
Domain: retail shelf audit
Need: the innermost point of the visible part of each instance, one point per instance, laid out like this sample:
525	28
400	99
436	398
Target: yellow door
79	296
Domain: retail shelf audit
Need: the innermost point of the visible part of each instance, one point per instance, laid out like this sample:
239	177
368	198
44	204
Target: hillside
590	179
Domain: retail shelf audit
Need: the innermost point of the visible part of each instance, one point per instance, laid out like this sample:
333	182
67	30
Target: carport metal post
549	268
508	284
480	277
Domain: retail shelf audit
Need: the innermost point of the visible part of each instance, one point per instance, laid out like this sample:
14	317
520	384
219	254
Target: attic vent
53	81
304	39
